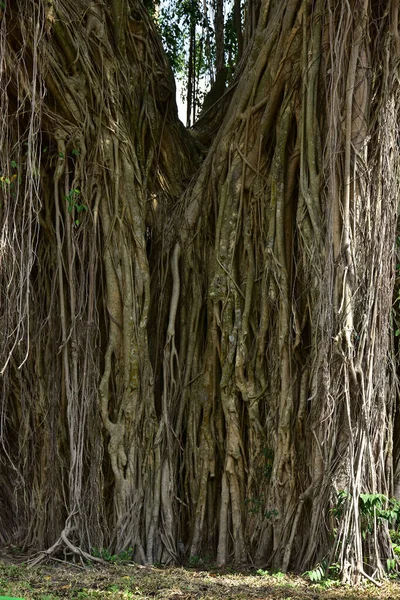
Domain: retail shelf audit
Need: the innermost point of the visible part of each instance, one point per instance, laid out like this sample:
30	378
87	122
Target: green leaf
75	152
61	155
315	575
14	164
391	564
77	222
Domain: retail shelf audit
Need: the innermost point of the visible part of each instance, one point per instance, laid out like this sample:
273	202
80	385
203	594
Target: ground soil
58	579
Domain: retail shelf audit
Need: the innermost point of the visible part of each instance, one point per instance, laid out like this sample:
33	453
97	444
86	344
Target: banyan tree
196	324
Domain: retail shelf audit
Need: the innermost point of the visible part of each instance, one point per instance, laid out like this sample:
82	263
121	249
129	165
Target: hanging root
197	365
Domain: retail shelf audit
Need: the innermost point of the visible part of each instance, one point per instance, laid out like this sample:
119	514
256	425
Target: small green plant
391	565
395	539
375	509
268	454
317	574
193	562
106	555
75	203
371	506
269	514
396	550
7	180
395	536
254	505
337	509
278	575
323	575
82	595
124	556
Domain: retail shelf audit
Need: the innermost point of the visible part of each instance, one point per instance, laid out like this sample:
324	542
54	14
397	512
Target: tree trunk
219	37
195	350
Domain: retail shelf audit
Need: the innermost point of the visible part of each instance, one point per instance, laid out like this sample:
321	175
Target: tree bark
195	349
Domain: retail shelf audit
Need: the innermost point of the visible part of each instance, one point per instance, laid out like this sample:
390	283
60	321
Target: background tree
195	343
203	44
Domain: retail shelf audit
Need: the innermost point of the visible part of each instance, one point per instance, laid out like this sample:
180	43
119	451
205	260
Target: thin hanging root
171	353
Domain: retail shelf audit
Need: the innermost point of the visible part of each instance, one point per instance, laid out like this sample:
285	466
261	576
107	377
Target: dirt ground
57	579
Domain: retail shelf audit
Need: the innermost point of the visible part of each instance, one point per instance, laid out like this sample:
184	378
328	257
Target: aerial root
56	547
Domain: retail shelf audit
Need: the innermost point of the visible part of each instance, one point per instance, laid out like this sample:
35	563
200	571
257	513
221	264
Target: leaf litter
63	580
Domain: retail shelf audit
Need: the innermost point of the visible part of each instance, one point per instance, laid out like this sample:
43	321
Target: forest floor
55	580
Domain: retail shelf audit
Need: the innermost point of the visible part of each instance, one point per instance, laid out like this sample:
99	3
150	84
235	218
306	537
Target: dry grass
132	582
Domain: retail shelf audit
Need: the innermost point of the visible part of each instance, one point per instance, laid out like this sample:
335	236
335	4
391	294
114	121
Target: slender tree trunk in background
204	364
207	40
238	27
219	37
191	78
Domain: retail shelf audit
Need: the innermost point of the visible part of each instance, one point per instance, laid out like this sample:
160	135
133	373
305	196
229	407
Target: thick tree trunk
88	136
298	291
197	361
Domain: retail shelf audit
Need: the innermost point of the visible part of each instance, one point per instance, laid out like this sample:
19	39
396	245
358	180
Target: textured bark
195	349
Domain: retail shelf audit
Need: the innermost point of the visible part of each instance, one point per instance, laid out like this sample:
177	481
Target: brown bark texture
195	325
